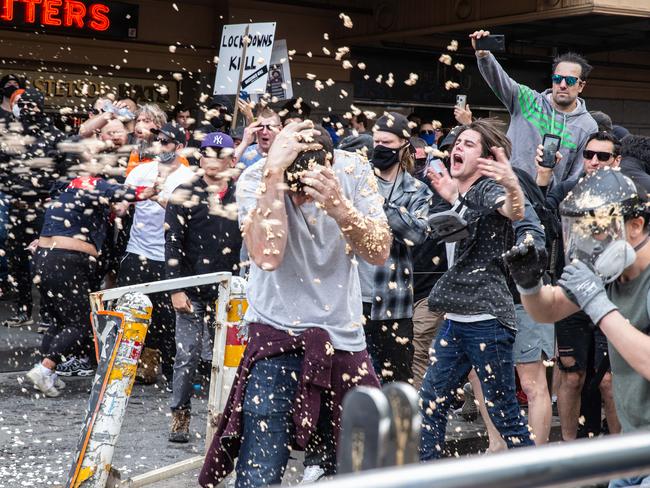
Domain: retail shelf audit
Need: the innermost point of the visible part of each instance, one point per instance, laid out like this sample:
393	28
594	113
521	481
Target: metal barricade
105	338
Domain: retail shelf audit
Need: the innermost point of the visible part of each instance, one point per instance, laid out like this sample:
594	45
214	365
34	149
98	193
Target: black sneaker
21	319
75	367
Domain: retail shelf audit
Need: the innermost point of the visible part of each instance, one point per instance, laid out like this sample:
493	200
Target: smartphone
496	43
243	94
551	145
436	164
461	101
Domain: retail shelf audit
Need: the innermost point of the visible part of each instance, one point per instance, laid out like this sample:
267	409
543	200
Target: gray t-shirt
631	390
317	283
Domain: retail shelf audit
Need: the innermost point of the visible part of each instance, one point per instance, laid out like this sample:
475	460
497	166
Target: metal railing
554	465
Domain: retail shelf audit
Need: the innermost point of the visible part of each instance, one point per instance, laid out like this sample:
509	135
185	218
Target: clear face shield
598	241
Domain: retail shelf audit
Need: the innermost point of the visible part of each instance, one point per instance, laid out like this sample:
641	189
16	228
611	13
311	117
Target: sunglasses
602	155
570	80
26	105
427	132
268	127
164	141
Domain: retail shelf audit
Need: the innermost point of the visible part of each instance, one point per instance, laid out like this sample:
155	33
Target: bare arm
93	125
630	342
368	237
265	228
548	305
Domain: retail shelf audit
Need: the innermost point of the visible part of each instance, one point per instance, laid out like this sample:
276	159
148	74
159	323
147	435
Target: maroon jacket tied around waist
323	368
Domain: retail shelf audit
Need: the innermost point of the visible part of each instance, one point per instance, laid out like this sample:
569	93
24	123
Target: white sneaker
43	381
312	474
59	384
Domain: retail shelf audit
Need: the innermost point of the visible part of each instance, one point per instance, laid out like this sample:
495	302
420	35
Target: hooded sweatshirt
532	115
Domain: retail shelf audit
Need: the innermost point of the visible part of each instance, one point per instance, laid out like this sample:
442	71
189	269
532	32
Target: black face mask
217	122
384	157
7	91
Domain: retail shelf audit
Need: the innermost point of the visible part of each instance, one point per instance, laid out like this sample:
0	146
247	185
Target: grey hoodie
532	115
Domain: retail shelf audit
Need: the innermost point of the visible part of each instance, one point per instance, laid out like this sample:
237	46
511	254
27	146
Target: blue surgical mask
430	139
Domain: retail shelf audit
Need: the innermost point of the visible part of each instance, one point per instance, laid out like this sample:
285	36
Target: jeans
190	331
488	347
640	481
268	428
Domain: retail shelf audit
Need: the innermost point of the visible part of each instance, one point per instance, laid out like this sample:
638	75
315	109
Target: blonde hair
158	116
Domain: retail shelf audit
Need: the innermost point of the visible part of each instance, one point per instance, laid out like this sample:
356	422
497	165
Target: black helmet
602	188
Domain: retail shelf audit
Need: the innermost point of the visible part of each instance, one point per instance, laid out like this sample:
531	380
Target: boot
469	411
148	366
180	431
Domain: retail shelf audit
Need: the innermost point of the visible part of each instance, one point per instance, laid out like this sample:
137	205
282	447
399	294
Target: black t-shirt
476	283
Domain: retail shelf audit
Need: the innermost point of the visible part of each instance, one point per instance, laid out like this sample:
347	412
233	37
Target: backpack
548	218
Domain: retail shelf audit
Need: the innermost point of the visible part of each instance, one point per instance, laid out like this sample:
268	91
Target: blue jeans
640	481
268	428
487	346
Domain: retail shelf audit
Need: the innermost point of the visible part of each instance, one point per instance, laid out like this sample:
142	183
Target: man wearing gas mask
606	235
387	290
577	340
144	260
27	172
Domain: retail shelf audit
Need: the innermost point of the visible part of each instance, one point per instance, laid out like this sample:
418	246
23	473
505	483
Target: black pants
23	227
64	279
160	335
390	345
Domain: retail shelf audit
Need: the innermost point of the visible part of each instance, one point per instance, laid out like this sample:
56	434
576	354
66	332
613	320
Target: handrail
553	465
162	285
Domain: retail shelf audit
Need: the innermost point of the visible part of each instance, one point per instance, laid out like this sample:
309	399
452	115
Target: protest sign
256	58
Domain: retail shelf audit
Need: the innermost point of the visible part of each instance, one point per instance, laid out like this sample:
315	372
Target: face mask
7	91
430	139
384	157
167	157
611	263
217	122
16	111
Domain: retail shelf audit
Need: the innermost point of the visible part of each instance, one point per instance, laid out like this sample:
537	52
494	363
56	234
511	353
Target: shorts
533	340
578	339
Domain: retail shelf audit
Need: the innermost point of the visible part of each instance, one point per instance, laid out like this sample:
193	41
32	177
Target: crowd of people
373	250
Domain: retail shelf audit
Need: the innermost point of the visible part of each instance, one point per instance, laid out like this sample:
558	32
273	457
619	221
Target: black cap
172	131
34	96
450	138
10	77
221	101
395	123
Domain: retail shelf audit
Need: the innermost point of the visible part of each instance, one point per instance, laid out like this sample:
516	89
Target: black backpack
548	218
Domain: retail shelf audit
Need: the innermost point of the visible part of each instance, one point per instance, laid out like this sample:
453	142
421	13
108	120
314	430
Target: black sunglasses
26	105
570	80
268	127
602	155
164	141
427	132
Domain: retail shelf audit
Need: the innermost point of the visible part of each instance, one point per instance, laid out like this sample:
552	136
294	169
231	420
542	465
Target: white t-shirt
317	283
148	230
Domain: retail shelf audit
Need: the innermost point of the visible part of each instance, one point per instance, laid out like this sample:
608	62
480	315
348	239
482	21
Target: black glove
527	264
